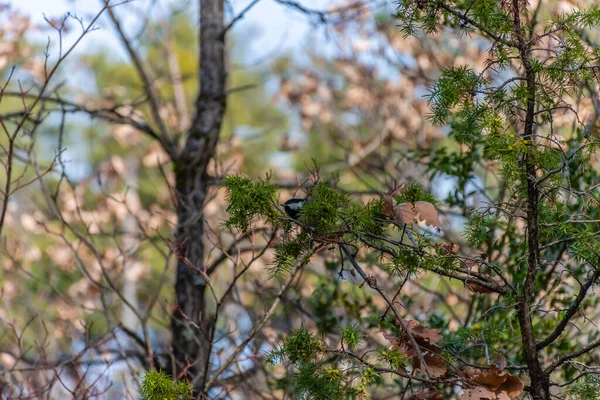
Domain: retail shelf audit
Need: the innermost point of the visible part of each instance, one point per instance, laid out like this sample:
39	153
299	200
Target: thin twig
373	285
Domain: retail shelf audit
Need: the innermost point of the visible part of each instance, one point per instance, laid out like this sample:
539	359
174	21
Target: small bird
292	207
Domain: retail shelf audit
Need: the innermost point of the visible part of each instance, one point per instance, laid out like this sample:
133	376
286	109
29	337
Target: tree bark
191	325
540	382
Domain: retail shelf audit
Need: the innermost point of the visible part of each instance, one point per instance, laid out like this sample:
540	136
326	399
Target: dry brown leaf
388	205
427	335
454	249
475	287
435	364
392	339
421	211
402	370
426	339
492	378
404	214
512	386
428	394
478	393
471	372
409	213
503	396
328	237
450	248
427	212
501	362
469	264
473	263
504	385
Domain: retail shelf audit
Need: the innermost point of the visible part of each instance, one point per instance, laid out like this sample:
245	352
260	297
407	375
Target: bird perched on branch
292	207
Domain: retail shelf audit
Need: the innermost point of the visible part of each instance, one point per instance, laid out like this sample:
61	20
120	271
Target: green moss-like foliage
156	385
248	199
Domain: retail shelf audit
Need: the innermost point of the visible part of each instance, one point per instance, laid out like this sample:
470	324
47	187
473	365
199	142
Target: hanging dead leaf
388	205
477	288
435	364
402	370
474	287
392	339
423	336
426	339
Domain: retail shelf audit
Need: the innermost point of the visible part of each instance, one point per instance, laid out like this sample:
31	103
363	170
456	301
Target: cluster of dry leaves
426	338
422	212
493	383
13	26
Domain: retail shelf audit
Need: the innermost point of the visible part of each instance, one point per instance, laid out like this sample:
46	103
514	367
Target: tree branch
288	282
470	21
571	356
239	16
373	285
573	308
148	83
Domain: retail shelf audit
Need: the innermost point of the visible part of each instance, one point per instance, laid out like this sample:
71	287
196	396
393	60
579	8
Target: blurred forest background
94	148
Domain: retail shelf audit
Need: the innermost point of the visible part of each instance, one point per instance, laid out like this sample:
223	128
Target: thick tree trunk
191	325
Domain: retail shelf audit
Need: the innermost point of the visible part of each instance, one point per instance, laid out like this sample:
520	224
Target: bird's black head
292	207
